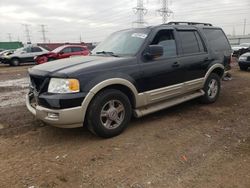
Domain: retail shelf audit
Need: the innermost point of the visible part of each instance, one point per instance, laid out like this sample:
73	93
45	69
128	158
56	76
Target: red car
62	52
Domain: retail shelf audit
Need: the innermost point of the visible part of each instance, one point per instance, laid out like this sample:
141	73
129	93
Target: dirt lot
190	145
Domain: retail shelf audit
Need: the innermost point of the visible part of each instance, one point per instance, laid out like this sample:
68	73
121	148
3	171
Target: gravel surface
189	145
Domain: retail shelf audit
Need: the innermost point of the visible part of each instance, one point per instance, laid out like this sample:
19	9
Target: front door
166	70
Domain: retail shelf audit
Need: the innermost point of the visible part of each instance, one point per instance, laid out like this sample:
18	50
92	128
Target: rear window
217	39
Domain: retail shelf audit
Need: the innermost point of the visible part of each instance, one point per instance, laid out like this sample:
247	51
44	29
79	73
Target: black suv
132	72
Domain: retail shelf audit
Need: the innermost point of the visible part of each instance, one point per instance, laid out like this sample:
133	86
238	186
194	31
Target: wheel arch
121	84
217	69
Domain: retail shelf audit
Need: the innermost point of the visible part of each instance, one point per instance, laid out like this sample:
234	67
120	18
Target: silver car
23	55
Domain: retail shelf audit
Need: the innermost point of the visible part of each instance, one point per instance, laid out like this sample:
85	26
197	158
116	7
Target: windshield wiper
108	53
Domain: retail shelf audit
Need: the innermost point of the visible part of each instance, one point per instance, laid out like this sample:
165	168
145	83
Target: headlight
243	58
60	85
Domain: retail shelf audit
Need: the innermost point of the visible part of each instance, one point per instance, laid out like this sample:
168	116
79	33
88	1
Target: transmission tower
164	11
140	11
27	32
9	37
43	31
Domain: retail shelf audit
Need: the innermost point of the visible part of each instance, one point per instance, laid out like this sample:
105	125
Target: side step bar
166	104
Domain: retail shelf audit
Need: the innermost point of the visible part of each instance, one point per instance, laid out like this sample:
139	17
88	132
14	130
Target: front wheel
109	113
211	89
15	62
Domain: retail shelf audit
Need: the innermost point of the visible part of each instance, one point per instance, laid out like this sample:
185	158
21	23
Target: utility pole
140	11
27	32
233	31
10	37
80	38
164	11
244	27
43	31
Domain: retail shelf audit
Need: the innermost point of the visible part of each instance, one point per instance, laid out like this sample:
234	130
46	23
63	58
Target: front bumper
66	118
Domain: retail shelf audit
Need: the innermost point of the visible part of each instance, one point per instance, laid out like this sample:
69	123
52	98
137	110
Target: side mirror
61	52
153	51
23	52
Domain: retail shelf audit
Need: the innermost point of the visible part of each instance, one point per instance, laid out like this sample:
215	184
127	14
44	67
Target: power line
164	11
140	11
27	32
43	31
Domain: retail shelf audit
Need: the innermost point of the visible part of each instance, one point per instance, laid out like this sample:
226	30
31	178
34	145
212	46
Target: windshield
58	49
123	43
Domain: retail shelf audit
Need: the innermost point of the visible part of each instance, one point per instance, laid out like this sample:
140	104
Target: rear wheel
211	89
109	113
15	62
244	68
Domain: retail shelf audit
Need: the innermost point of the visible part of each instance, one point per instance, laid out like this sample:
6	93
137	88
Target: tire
15	62
211	88
243	68
109	113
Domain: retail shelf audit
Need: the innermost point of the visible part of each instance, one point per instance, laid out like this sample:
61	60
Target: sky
94	20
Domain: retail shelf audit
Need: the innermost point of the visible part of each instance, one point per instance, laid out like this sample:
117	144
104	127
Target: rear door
193	54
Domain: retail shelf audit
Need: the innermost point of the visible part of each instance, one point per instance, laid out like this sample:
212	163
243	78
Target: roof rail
188	23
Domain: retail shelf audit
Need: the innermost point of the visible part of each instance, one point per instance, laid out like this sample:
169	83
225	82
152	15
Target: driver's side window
66	50
166	39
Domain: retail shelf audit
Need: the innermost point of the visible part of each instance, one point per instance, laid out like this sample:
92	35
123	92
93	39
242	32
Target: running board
166	104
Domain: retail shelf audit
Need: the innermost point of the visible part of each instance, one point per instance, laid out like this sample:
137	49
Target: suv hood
76	65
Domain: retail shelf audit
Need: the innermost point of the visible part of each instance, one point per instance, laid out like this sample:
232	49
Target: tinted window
36	49
200	43
217	39
189	42
66	50
165	38
77	49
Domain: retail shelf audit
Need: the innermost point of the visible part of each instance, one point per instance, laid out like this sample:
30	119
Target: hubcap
212	88
112	114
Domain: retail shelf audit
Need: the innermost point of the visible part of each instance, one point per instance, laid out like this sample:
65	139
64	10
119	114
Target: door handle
175	64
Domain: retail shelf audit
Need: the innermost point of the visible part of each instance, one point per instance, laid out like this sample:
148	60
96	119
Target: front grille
38	83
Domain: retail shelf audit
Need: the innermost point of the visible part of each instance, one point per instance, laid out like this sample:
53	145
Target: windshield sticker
139	35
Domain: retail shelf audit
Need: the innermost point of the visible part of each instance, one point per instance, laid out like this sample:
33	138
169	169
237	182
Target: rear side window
191	42
77	49
36	49
217	39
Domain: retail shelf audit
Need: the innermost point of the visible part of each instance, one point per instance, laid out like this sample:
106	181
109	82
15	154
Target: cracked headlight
60	85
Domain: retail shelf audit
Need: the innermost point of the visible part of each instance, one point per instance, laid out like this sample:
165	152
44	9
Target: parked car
244	61
23	55
62	52
241	49
132	72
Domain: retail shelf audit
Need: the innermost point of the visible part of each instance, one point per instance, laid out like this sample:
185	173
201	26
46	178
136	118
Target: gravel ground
189	145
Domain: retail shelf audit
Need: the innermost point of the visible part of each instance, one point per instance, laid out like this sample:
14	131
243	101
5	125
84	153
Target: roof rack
188	23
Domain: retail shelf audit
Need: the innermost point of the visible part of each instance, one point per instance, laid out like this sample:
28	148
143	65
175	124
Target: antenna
164	11
140	11
43	31
27	32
